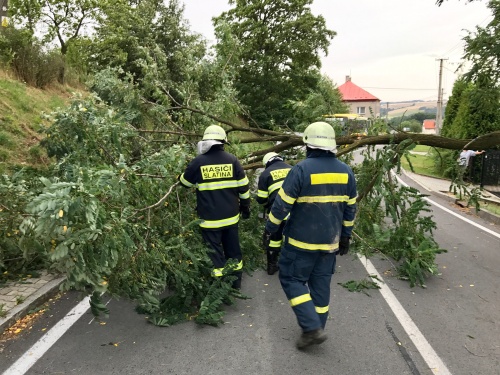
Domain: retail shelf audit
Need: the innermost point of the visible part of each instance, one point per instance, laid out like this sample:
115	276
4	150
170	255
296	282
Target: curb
495	219
38	298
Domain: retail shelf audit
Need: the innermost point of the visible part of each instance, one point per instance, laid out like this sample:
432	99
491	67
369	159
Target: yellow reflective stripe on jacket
275	243
348	223
262	194
222	184
313	246
321	310
244	181
329	178
185	182
220	223
323	199
300	300
285	197
244	195
352	201
273	219
275	186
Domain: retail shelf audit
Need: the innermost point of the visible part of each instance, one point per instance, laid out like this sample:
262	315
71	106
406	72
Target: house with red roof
429	127
359	101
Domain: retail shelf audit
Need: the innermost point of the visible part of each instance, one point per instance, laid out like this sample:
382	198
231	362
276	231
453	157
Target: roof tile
351	92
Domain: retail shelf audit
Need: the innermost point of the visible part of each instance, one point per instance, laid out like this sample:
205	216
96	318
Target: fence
485	171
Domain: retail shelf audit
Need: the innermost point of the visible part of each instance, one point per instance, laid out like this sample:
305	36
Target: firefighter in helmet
222	198
319	194
270	181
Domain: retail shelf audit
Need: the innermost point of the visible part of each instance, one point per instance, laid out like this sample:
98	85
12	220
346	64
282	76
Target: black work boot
272	262
315	337
237	282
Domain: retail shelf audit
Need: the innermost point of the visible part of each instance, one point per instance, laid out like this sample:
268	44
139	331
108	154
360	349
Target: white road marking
106	304
430	357
454	213
32	355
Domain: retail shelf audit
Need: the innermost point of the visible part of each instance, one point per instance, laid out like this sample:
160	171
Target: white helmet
216	133
269	157
320	135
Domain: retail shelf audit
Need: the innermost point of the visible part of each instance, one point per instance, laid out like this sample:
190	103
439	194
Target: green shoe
315	337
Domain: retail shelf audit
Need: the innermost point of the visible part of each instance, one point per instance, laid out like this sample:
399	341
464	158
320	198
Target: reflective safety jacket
270	181
221	187
319	193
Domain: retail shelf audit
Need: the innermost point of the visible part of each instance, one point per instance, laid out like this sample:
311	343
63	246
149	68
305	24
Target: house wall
374	105
428	131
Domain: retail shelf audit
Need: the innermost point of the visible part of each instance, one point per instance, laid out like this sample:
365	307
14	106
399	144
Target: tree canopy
473	106
277	58
63	19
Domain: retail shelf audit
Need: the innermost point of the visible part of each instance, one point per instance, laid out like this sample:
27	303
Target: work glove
245	212
266	239
344	245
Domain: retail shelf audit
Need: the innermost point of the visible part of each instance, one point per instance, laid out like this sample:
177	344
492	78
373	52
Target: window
361	110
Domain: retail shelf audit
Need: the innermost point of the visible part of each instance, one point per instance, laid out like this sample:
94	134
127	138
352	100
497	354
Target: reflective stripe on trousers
305	277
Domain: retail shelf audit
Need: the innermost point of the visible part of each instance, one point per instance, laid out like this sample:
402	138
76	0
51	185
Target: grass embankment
422	161
21	121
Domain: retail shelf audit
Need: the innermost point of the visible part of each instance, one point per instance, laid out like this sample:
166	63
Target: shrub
29	60
18	255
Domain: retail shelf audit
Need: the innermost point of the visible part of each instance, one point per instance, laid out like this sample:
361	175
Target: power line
462	43
398	88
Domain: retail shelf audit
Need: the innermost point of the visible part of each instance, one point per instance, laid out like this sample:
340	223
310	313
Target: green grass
421	148
21	123
422	164
491	207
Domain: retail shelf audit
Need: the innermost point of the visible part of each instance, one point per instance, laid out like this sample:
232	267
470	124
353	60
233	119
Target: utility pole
439	113
4	6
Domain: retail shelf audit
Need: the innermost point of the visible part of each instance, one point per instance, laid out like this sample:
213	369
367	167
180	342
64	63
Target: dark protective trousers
225	243
305	277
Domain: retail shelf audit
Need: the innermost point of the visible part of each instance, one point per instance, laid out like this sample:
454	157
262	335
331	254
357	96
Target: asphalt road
457	314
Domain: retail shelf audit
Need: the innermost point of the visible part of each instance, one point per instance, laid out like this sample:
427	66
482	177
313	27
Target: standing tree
63	20
277	59
324	99
473	106
481	50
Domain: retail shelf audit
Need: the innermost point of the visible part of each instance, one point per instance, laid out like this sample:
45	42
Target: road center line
425	349
454	213
33	354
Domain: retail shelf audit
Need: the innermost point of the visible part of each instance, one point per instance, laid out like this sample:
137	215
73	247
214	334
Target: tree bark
288	140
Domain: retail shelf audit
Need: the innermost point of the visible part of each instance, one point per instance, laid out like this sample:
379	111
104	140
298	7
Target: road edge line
436	365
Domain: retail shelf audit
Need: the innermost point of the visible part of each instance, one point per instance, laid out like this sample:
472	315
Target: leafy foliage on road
109	213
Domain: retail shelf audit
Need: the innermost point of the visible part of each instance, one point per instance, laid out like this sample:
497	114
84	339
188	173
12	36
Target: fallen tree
285	140
109	215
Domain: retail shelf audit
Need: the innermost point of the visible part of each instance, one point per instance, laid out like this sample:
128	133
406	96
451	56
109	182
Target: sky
390	48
